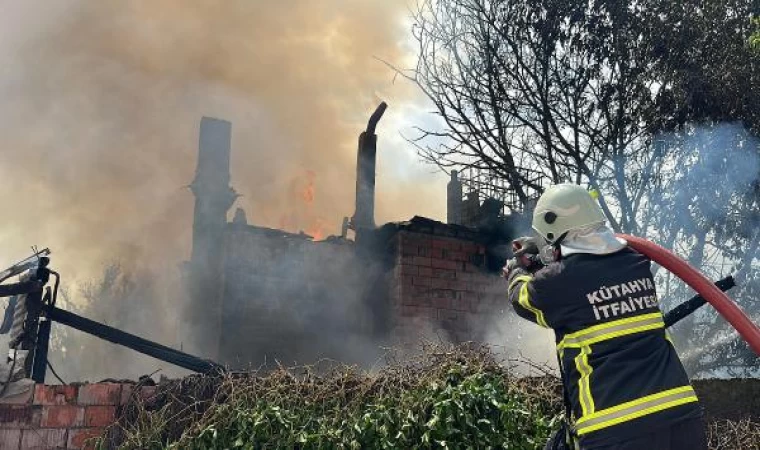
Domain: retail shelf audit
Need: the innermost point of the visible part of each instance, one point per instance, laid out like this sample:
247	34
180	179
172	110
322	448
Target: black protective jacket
622	374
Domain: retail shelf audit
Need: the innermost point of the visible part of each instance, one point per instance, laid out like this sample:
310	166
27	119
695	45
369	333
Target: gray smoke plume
705	205
524	344
101	104
709	210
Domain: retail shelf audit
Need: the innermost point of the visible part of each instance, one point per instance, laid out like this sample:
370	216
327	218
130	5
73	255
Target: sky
101	103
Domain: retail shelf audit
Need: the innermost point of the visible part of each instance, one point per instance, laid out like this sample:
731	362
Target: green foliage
452	400
754	40
700	54
455	398
473	411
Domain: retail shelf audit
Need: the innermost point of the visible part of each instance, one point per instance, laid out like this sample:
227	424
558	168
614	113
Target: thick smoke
704	205
714	169
709	200
100	112
525	345
101	105
710	207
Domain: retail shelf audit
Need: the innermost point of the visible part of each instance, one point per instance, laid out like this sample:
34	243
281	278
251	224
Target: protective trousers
687	435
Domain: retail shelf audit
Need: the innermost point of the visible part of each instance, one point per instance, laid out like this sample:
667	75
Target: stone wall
63	417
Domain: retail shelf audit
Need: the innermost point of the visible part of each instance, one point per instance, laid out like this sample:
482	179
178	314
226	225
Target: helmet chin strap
559	240
552	251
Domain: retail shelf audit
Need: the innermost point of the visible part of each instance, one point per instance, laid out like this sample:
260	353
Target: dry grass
734	435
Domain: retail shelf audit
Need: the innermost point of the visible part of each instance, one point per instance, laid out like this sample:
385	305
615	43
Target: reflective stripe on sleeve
518	279
524	299
635	408
609	330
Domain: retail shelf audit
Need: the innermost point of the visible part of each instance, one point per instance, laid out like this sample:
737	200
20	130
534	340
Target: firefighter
625	384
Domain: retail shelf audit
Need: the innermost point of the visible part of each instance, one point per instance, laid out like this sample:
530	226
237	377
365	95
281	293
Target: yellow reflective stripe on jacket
524	299
584	385
610	330
518	279
635	408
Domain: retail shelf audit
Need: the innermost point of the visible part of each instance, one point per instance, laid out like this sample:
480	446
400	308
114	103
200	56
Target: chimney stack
364	215
454	200
213	198
211	187
240	218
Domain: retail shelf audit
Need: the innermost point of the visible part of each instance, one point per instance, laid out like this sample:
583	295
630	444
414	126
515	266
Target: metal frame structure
33	320
485	185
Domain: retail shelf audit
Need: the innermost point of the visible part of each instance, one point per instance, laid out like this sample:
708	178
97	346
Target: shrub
449	398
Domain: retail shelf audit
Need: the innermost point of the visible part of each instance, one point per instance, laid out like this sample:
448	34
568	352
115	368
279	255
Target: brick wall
440	288
62	417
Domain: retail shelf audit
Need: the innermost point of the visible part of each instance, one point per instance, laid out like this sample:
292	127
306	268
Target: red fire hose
694	278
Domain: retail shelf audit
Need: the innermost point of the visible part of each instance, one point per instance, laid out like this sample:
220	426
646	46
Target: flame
317	229
303	215
308	192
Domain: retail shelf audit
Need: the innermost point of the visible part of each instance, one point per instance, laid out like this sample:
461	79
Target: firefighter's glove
510	267
526	251
512	270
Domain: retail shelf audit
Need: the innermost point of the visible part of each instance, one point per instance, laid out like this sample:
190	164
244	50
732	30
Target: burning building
259	295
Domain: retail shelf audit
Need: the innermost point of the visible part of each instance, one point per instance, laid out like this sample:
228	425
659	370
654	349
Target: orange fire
317	229
308	192
303	215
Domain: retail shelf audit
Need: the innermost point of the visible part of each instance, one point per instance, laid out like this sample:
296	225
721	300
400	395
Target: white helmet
565	207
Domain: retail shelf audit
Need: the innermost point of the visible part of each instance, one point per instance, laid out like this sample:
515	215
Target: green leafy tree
754	40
